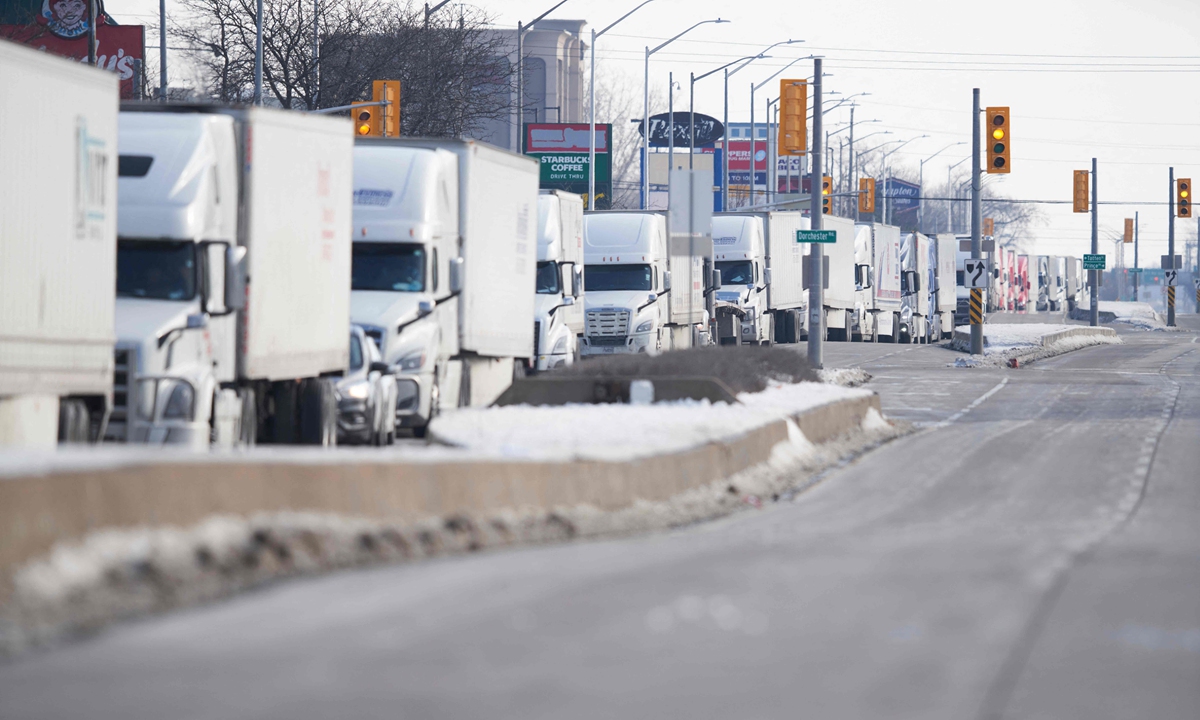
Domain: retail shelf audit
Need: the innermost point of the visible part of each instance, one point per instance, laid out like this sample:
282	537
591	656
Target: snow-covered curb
121	573
846	377
1136	314
1023	343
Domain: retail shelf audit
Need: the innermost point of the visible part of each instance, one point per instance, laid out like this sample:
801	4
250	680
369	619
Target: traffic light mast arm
351	106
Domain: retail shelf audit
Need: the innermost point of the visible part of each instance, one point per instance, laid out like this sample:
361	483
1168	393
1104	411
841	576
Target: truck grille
607	323
123	370
607	341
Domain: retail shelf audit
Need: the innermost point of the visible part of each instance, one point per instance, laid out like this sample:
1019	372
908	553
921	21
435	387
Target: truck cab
627	281
559	307
740	256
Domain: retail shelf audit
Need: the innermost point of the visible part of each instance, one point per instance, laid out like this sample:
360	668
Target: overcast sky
1116	80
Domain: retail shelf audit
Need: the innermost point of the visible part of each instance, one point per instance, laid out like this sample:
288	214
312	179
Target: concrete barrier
39	511
961	337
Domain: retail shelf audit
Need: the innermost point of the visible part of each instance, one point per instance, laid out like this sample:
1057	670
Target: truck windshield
156	269
736	272
547	277
617	277
399	267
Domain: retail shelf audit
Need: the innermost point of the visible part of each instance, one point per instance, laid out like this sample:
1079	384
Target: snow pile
846	377
624	432
1138	314
1025	342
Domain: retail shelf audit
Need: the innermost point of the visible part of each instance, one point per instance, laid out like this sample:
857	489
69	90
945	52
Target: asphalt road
1033	551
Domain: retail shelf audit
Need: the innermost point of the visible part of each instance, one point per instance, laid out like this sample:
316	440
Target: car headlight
412	361
645	327
360	390
560	347
181	403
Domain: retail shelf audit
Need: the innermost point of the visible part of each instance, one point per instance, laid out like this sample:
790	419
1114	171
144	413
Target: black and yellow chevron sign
976	307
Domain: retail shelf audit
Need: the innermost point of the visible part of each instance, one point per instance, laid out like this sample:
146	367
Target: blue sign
904	200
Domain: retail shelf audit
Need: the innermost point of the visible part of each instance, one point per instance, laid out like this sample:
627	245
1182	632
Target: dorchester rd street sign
816	236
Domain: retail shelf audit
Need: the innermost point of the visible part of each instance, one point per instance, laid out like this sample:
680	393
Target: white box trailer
233	268
915	295
558	319
883	308
945	284
58	222
445	262
840	294
761	267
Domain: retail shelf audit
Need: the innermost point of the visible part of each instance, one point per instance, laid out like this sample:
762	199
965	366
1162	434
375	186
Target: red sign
564	137
739	156
118	47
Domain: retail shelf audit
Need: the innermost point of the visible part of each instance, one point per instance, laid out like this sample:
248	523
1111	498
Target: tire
74	425
318	413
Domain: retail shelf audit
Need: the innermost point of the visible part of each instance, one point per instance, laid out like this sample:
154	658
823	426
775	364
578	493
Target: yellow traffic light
999	146
866	195
989	227
793	117
364	120
1080	196
1183	197
1128	237
826	190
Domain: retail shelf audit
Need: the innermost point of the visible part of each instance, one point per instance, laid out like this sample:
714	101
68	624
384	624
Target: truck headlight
181	403
412	361
645	327
360	390
560	347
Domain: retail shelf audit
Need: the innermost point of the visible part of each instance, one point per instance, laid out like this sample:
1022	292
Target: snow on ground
1138	314
846	377
1003	342
622	432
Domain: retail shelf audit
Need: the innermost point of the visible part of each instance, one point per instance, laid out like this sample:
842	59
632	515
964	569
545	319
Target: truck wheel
318	413
73	421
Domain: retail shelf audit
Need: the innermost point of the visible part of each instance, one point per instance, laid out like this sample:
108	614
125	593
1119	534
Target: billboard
61	28
904	200
563	150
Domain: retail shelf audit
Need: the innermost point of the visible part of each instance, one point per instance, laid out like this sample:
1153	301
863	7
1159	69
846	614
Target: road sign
975	274
1094	262
1135	270
1171	276
1167	265
816	236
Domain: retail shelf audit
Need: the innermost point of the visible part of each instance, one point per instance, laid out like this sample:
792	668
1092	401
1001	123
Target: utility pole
258	54
1171	245
1096	274
670	124
976	212
1137	276
816	280
162	50
851	169
91	35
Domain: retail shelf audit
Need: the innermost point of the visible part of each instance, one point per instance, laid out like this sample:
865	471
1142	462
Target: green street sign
1136	270
816	236
1094	262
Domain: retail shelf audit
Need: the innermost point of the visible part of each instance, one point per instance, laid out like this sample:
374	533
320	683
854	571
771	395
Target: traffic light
989	227
866	195
389	115
1128	237
826	190
364	120
793	117
1081	191
1183	197
999	160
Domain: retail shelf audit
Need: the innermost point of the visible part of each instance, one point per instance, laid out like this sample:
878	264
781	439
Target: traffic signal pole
1171	245
1096	274
1137	276
976	212
816	280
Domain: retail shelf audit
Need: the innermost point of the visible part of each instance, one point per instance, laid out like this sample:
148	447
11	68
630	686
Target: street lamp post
921	182
949	202
692	98
592	111
754	88
521	30
886	165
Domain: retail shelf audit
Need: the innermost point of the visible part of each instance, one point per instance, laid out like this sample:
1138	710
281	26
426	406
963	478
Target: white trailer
883	310
58	221
914	283
558	309
761	267
944	285
233	267
445	263
841	292
1075	280
630	278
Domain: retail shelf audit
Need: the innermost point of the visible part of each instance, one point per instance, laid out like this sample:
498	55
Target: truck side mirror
716	279
235	277
425	307
456	275
650	300
577	281
766	276
666	281
380	367
568	301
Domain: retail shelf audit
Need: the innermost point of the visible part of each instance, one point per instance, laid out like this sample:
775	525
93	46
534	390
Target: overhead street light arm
618	20
767	49
529	26
717	70
685	32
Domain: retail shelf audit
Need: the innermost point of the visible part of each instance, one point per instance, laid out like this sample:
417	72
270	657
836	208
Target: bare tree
619	101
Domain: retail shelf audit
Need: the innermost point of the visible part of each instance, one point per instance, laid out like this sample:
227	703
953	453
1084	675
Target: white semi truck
58	221
1075	282
944	285
841	292
760	265
883	248
641	297
559	306
445	259
914	284
233	268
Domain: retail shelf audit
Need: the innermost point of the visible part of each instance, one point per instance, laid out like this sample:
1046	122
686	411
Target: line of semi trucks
279	281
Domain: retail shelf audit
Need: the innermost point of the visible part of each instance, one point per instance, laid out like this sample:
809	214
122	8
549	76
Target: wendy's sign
708	129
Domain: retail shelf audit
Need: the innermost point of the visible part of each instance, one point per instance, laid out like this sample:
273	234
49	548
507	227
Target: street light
692	98
521	30
754	88
592	113
886	155
646	108
921	182
949	202
725	149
